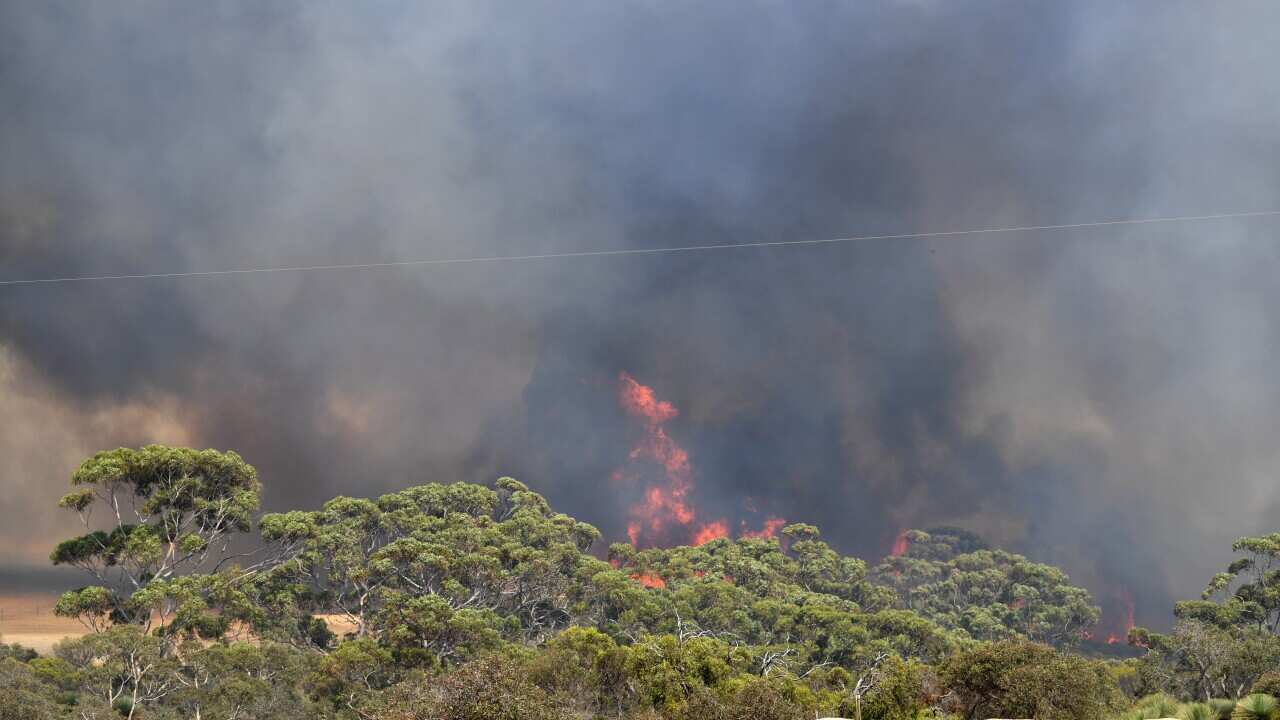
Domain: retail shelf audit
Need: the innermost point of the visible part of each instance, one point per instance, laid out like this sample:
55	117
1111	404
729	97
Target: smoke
1100	399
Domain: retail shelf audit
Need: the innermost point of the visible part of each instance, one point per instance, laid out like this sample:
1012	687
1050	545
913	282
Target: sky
1101	398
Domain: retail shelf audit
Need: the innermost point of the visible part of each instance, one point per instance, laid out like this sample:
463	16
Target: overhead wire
639	251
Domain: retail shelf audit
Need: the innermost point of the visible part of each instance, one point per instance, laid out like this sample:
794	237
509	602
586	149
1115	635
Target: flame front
1127	600
710	531
1116	635
666	503
772	525
665	513
899	544
649	581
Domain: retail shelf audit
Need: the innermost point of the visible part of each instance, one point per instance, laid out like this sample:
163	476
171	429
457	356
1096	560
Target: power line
640	251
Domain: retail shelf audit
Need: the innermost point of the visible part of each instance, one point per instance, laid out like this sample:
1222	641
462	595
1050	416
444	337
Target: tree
242	680
151	515
1248	592
1223	642
951	577
436	572
586	668
122	668
1205	660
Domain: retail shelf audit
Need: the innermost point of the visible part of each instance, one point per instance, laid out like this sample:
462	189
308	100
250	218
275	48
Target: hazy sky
1104	399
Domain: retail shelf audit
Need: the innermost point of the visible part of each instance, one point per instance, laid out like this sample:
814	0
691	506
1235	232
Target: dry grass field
28	619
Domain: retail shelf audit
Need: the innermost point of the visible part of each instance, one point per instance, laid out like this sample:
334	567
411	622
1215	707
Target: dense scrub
464	601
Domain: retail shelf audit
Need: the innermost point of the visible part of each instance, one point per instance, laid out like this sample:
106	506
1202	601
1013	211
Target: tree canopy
467	601
152	516
950	577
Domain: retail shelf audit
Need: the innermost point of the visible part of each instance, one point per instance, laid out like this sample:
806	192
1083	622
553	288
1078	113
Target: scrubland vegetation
467	602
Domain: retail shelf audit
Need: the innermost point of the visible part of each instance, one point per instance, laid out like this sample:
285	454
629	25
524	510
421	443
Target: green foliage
352	672
586	669
1255	707
819	604
22	696
243	679
435	572
756	699
165	511
1197	711
1155	705
1226	642
17	652
486	689
462	601
1204	660
1222	708
1254	601
897	696
1022	679
950	577
1268	683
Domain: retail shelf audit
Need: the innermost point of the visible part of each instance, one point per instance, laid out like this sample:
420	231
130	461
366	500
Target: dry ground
28	619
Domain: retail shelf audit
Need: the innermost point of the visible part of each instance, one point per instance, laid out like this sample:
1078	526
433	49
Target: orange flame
772	525
900	544
649	581
665	503
1127	600
711	531
1115	636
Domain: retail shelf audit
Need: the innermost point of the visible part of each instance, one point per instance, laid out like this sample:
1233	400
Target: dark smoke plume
1103	399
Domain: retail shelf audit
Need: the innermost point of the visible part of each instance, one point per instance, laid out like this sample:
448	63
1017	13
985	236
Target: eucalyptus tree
797	602
950	577
1247	593
1227	639
157	519
439	572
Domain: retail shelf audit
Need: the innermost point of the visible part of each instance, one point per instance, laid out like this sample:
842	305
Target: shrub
763	700
1198	711
17	652
485	689
1158	705
898	694
1222	708
1255	707
1015	679
1267	684
22	696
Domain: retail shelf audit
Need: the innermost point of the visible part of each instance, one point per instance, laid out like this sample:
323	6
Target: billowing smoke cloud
1100	398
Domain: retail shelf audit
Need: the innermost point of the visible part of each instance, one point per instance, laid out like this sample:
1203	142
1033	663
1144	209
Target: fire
664	503
665	511
1116	636
640	401
771	527
900	544
1127	600
649	581
711	531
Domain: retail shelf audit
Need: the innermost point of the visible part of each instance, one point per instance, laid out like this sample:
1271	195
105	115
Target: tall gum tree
158	522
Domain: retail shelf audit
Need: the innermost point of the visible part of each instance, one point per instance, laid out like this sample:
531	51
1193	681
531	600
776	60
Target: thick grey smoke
1103	399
